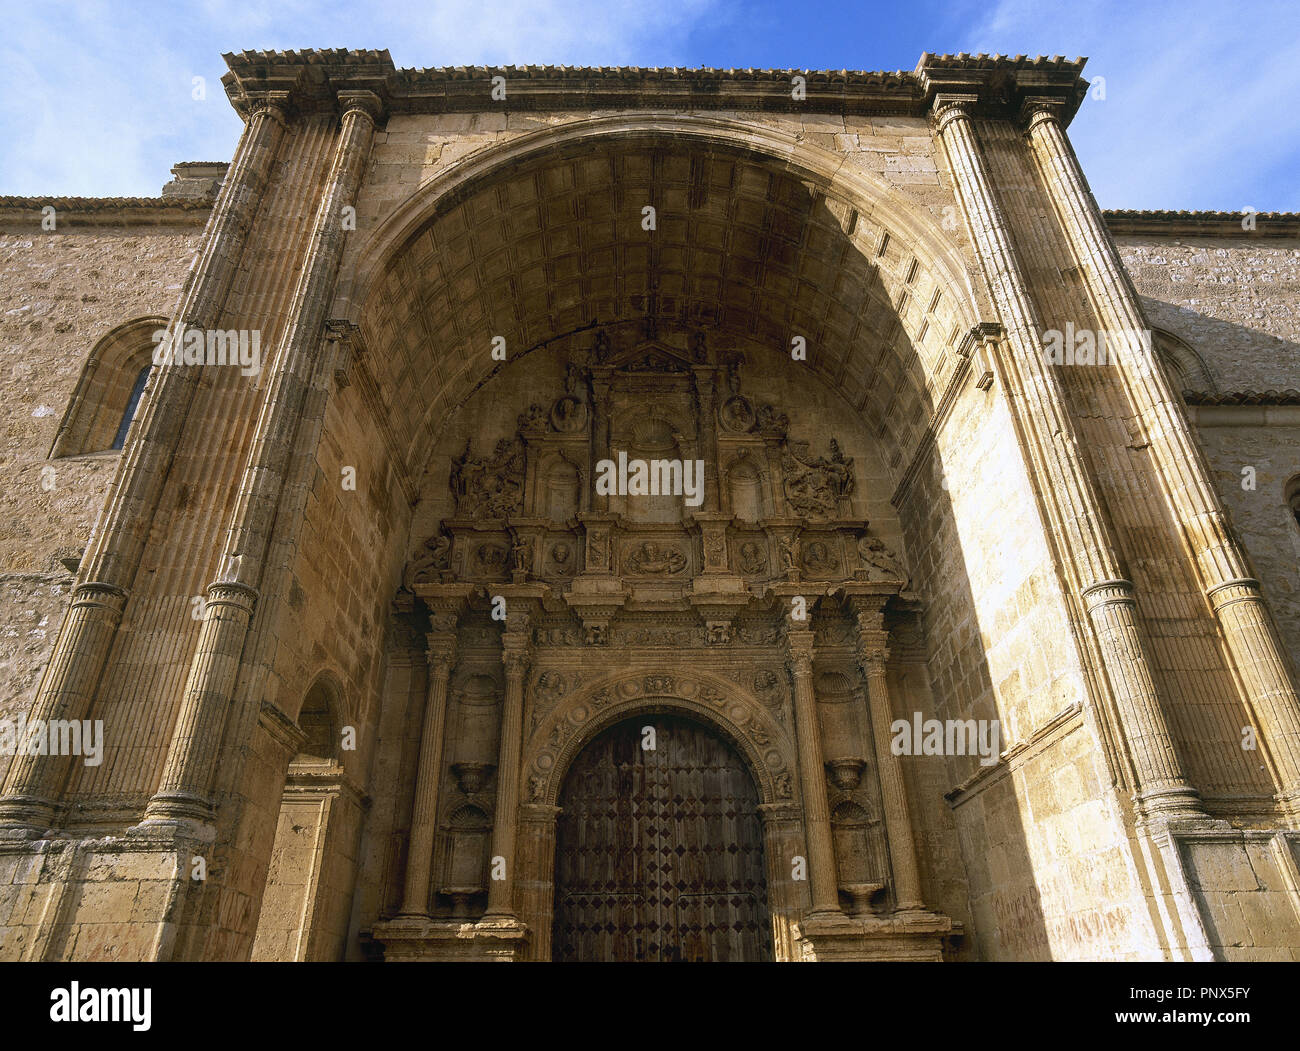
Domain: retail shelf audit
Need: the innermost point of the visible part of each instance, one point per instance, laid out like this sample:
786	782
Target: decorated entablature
773	506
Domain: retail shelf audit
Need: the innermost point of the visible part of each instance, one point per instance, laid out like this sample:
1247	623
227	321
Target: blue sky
1201	107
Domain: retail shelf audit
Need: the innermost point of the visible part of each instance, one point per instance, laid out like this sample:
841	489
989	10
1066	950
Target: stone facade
367	578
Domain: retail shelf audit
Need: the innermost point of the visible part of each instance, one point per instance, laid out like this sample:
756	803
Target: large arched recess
759	238
757	232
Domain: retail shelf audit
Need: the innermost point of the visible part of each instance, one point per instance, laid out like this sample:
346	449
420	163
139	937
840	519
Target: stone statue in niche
600	349
651	557
789	544
814	486
521	550
698	348
490	486
878	561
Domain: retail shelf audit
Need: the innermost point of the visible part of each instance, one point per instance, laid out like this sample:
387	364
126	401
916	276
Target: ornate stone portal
636	604
504	396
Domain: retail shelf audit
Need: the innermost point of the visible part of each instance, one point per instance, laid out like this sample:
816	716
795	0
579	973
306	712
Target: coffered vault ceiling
742	249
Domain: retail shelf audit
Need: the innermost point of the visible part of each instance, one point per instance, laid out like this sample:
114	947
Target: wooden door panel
660	852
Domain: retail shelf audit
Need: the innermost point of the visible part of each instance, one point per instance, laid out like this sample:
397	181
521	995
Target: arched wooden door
659	852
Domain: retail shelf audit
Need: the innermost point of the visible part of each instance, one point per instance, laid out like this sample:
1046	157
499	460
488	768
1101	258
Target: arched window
128	414
108	393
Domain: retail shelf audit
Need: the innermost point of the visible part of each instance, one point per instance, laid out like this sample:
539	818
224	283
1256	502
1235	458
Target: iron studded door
659	853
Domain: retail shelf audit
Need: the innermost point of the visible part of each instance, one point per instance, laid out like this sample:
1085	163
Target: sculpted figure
879	560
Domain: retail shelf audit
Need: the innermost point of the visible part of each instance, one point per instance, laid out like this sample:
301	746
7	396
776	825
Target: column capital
799	650
949	106
873	649
441	650
1115	592
1037	109
516	652
278	105
366	102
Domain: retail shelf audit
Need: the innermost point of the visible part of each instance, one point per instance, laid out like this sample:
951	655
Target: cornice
25	213
1242	397
1201	224
314	79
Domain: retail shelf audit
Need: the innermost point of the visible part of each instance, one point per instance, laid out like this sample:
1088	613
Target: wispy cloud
97	99
1200	96
1200	111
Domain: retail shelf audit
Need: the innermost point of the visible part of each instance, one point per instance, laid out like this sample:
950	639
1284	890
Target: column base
413	939
915	936
26	816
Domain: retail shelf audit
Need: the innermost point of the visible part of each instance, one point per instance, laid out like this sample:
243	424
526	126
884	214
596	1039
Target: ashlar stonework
652	527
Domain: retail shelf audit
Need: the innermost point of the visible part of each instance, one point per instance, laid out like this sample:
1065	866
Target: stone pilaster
1247	625
1049	435
440	659
822	872
108	569
183	790
537	824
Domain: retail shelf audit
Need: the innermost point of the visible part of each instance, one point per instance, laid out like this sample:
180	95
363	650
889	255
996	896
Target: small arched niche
319	721
561	495
745	490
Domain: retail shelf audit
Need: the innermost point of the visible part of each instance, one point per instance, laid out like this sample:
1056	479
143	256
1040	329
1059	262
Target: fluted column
822	873
873	655
516	654
1076	521
1247	625
108	570
440	659
183	791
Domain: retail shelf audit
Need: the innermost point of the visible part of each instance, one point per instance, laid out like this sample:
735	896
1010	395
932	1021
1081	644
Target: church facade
628	514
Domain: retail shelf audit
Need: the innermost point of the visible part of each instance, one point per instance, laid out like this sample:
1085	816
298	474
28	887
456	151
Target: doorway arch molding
720	705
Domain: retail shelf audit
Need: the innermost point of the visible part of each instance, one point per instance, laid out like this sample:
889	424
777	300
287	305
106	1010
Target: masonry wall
61	293
1235	300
